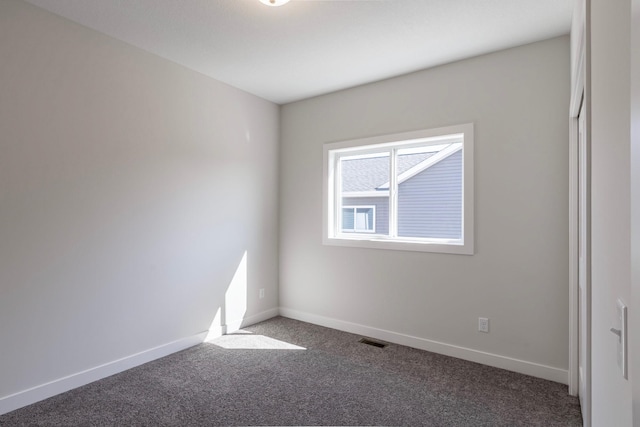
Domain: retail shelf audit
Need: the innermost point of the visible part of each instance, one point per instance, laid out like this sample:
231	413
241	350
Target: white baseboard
495	360
44	391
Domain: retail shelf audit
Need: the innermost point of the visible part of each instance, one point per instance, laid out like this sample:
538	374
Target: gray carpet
258	377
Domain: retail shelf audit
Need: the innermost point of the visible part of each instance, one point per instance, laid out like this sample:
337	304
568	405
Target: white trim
578	89
584	267
43	391
578	30
328	193
578	79
573	259
444	246
490	359
52	388
393	193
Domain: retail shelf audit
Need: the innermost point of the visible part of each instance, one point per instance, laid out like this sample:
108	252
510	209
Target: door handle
618	332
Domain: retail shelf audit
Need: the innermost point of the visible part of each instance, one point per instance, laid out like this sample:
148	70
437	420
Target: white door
584	283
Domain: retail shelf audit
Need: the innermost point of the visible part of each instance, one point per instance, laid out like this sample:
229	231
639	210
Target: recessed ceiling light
274	2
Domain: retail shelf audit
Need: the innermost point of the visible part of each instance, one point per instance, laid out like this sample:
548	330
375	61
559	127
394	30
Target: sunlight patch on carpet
252	342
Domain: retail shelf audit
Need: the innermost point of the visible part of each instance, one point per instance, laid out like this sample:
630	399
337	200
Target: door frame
579	95
573	244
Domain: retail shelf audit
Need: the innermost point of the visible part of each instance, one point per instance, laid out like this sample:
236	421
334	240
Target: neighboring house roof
367	174
372	173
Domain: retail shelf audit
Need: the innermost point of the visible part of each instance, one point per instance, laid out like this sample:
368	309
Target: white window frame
332	234
355	208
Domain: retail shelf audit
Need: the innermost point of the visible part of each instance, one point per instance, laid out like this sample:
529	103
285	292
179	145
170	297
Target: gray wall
130	190
518	100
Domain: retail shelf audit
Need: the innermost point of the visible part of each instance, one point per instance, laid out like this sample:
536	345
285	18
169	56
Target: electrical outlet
483	324
261	293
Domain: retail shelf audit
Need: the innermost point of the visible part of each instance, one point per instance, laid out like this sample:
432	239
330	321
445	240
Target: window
359	219
410	191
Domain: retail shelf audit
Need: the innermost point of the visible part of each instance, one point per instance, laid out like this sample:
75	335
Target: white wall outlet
261	293
483	324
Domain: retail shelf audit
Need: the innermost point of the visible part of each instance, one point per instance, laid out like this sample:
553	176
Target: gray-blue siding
382	210
430	203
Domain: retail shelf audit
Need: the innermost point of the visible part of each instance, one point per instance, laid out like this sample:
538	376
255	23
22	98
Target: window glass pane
363	178
361	221
430	191
364	219
348	220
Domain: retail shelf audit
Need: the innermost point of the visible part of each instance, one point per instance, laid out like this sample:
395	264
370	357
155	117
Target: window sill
400	245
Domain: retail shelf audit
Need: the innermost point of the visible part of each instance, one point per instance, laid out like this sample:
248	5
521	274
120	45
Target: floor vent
372	343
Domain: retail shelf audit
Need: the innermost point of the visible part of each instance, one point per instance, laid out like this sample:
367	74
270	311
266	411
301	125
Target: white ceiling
311	47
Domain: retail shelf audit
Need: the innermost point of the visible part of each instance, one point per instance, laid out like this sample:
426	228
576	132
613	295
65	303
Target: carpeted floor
285	372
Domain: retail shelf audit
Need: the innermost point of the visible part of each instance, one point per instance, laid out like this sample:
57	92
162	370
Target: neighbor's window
411	191
359	219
